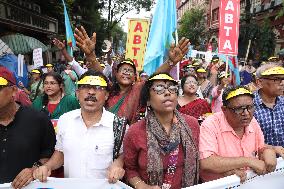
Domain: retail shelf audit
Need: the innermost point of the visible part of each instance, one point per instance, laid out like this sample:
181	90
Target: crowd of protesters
100	118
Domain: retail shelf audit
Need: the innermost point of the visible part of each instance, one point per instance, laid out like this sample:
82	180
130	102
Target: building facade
260	10
24	17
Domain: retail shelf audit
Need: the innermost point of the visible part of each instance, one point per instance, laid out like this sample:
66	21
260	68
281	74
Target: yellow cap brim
3	81
36	71
271	58
201	70
93	80
273	71
162	77
127	62
48	65
238	92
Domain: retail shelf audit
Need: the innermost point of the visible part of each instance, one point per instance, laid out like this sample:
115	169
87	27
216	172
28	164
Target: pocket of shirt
101	157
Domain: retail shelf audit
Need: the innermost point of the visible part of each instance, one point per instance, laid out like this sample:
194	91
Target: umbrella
21	44
281	52
4	48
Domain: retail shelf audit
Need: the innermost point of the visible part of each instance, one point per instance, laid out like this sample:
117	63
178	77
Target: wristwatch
37	164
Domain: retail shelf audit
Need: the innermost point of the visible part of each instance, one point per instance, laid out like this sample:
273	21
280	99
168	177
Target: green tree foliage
192	26
261	36
116	9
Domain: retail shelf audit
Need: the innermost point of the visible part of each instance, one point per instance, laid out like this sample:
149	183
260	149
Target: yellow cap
162	77
103	65
201	70
273	71
35	71
190	66
3	81
93	80
127	62
48	65
237	92
271	58
81	61
196	64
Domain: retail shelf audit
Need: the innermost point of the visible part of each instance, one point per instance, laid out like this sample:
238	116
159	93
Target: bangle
135	185
37	164
170	63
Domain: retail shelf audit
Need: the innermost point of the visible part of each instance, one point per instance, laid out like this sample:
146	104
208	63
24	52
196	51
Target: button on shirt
270	120
88	152
218	137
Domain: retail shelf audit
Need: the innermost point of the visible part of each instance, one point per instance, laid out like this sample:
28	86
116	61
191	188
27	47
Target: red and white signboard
229	17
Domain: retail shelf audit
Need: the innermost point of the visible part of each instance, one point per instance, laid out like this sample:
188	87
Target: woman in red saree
124	96
189	103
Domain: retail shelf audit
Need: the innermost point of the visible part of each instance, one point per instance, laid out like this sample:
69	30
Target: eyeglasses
277	80
50	83
125	71
3	86
95	87
241	109
191	82
160	89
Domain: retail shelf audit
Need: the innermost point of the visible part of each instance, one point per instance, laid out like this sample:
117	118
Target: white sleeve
59	135
77	67
107	71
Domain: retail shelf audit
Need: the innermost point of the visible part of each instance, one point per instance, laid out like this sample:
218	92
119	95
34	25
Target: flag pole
227	67
178	64
247	52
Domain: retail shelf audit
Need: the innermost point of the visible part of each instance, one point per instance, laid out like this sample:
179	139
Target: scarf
159	143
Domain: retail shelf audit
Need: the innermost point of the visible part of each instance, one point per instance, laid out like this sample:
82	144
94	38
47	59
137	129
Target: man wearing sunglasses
88	139
231	141
269	103
27	137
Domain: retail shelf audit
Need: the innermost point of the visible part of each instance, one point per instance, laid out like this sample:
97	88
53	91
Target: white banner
72	183
37	57
274	180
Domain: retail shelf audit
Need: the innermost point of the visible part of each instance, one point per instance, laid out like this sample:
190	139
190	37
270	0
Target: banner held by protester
138	30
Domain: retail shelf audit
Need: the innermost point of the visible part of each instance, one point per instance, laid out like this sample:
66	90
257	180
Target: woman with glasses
54	102
190	103
124	95
161	151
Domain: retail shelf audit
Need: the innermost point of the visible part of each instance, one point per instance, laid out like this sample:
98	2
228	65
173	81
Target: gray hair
265	67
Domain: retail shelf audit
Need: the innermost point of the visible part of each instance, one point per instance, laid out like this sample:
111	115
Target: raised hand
59	44
176	53
86	44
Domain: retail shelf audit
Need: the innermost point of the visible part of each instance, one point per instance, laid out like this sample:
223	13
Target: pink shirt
218	137
216	100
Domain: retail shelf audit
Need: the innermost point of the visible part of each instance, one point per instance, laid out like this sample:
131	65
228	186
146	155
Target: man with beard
231	141
88	139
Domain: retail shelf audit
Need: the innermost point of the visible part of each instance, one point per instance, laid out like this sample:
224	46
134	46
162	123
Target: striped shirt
270	120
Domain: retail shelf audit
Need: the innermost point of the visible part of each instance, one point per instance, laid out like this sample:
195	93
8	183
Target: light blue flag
69	33
163	26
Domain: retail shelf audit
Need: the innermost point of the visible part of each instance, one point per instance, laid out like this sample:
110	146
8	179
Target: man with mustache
88	139
231	141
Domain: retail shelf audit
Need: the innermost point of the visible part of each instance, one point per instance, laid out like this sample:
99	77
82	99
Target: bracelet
135	185
170	63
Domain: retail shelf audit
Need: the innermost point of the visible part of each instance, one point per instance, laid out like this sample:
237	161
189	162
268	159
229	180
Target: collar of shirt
105	119
225	126
258	101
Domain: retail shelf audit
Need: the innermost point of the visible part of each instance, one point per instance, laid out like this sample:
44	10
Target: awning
4	49
21	44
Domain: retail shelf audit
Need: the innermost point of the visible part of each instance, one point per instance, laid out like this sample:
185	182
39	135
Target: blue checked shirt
270	120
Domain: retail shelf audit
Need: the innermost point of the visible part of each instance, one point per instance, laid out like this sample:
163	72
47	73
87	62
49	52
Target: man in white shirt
87	142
